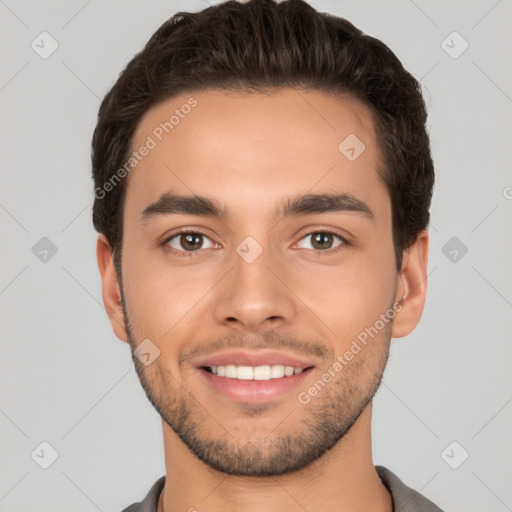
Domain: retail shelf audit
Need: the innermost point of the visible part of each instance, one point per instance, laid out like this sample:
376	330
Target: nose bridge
253	295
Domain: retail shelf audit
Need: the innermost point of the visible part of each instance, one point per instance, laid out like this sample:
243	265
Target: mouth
253	377
264	372
253	384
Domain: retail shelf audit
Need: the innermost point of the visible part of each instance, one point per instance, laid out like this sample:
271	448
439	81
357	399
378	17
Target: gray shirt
405	499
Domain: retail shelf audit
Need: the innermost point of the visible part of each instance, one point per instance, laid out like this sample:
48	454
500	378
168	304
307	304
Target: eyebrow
309	204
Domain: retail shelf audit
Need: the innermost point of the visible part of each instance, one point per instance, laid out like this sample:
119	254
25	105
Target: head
274	120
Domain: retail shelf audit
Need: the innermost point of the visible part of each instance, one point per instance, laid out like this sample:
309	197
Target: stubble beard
326	419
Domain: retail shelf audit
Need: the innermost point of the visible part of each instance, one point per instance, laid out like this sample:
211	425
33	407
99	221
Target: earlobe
110	287
411	287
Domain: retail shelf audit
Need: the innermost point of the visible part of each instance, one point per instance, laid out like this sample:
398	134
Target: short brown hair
257	46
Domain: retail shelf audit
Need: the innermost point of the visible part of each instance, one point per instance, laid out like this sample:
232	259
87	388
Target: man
263	180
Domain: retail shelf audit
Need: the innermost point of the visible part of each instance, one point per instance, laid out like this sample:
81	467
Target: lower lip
253	391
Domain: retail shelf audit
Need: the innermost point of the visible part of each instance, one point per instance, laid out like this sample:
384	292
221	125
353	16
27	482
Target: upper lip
254	358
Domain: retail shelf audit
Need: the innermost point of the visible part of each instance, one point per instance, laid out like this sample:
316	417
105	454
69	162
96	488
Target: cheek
352	296
160	296
143	285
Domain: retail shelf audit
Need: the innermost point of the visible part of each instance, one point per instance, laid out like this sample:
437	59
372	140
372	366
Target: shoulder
150	501
405	499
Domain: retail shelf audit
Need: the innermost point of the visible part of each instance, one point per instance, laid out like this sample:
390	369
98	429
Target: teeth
288	371
244	372
262	373
265	372
277	371
230	371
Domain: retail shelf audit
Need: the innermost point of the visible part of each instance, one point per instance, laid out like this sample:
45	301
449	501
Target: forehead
250	149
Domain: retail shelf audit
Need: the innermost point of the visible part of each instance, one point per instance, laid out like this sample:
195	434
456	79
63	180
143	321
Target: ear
110	288
411	287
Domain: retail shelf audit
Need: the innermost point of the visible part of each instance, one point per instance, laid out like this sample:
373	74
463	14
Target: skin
251	151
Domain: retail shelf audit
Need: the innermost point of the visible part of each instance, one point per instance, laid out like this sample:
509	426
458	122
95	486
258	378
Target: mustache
264	340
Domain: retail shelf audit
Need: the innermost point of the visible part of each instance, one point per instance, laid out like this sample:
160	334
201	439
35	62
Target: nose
254	295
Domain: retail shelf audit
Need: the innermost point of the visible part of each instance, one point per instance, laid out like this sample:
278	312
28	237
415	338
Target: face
257	253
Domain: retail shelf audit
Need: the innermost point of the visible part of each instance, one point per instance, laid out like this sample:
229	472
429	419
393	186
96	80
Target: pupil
321	237
191	241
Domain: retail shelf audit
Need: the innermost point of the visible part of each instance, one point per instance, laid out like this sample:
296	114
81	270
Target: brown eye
322	241
188	241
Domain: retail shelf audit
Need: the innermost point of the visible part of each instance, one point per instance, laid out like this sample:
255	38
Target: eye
322	241
187	242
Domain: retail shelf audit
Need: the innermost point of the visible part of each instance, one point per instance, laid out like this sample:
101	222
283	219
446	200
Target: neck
343	479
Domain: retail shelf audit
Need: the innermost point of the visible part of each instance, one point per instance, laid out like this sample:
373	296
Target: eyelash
190	254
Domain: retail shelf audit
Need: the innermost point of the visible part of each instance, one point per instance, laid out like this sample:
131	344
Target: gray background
67	380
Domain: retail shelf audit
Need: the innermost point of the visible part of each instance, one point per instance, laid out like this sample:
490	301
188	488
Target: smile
264	372
253	384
